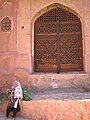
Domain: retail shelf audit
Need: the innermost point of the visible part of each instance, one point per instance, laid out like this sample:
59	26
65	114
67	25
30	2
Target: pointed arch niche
6	24
57	40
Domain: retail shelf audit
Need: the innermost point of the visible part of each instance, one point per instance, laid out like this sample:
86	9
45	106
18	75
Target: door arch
58	42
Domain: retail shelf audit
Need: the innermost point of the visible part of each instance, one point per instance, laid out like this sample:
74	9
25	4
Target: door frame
37	15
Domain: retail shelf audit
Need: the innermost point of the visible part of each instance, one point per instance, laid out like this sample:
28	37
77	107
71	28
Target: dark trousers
12	109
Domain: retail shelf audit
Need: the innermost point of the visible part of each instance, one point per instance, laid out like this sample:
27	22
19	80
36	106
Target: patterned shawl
16	93
17	90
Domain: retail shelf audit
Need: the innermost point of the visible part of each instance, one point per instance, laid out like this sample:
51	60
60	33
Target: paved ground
61	94
56	94
2	117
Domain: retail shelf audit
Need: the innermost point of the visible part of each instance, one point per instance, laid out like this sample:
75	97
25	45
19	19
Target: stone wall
47	81
54	110
17	45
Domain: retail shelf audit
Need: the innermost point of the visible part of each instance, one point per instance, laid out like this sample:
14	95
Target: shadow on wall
6	79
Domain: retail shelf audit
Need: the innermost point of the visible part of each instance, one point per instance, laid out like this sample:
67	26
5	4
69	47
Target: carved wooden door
58	42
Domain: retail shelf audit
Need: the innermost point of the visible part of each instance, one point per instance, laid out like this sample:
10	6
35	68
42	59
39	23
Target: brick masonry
17	56
17	46
47	81
54	110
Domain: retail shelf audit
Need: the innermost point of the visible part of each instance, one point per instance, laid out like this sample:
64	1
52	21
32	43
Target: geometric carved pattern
70	48
6	24
46	50
58	42
57	14
69	27
46	28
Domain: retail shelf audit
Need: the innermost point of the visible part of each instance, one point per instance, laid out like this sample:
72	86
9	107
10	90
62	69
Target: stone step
47	81
57	97
60	94
56	104
56	109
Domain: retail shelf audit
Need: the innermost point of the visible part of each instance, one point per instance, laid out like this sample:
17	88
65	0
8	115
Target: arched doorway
58	42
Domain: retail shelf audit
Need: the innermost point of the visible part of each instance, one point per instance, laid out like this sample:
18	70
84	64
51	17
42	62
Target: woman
15	97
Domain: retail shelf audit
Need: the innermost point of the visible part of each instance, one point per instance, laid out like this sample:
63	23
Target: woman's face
15	84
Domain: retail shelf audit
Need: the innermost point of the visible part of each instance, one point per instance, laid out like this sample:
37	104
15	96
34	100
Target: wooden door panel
70	46
45	47
58	42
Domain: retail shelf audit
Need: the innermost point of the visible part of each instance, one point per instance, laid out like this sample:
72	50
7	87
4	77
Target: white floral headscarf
17	90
